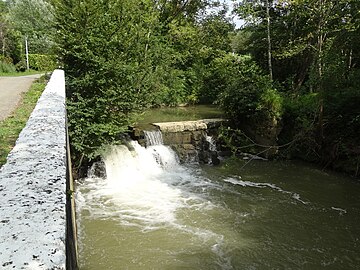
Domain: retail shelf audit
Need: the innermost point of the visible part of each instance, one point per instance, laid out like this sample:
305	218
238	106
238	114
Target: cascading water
150	212
212	144
148	188
153	137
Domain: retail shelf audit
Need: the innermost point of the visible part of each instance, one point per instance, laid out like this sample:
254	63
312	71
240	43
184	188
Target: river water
153	213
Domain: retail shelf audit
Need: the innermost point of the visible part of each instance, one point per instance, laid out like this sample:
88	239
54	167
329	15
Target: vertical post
269	39
2	35
27	53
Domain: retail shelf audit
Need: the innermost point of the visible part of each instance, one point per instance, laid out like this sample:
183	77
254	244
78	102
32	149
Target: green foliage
6	67
316	54
271	104
240	41
171	89
33	19
21	66
109	50
42	62
6	59
342	122
299	125
247	93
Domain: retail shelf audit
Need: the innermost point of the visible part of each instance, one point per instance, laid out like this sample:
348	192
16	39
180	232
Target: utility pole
2	35
27	53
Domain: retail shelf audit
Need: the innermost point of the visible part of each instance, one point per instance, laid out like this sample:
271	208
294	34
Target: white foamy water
242	183
212	144
148	188
153	137
144	186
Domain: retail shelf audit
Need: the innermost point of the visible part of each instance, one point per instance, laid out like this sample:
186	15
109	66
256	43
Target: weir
193	141
144	190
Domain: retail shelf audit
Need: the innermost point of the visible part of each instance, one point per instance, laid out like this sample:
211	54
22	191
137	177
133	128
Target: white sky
235	19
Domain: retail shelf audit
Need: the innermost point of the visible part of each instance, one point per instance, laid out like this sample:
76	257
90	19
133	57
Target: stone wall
33	188
190	139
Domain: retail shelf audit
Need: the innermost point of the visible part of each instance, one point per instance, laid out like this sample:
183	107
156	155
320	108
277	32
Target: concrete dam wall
191	140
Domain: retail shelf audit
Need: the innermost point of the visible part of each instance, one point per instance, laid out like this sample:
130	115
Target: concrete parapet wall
33	187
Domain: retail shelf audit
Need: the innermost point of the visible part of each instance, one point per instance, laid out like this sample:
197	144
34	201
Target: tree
257	12
34	20
112	54
3	27
10	39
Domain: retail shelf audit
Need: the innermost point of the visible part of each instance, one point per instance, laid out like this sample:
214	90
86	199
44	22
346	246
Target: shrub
6	59
299	126
247	93
21	65
6	67
109	50
42	62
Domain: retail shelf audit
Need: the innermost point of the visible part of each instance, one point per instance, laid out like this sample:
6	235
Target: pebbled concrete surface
32	188
10	92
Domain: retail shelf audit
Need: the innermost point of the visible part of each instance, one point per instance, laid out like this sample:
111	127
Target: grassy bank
18	74
12	126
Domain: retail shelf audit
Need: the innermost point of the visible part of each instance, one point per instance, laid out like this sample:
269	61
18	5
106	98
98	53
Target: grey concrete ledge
189	125
32	187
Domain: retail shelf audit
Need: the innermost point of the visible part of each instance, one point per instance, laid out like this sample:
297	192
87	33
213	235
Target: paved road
10	92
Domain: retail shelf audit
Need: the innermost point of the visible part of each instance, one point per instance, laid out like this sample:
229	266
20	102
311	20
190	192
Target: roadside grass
11	127
18	74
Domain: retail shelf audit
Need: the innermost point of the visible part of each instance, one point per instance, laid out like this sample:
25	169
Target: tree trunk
269	39
320	42
302	72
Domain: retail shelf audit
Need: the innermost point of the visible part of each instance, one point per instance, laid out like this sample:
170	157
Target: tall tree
267	4
112	53
34	20
257	12
3	27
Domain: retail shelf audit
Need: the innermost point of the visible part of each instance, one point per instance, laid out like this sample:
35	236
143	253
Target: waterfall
143	185
150	194
153	137
212	144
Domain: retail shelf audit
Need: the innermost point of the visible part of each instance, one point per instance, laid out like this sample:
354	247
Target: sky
235	19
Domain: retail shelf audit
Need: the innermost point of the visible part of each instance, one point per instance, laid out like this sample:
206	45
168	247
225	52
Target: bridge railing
36	200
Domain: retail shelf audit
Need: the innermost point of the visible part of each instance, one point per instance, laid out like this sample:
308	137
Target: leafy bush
6	59
42	62
6	67
109	50
299	125
247	94
21	65
168	88
342	124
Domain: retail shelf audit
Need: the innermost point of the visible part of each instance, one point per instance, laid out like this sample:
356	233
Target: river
153	213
